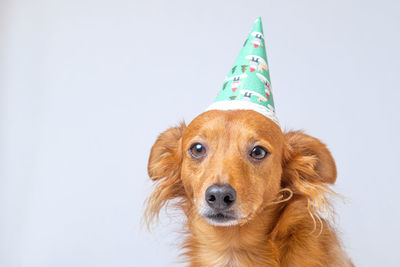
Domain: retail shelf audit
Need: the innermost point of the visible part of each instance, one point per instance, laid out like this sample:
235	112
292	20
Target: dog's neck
239	245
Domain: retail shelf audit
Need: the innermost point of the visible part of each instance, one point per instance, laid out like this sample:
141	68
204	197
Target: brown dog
253	195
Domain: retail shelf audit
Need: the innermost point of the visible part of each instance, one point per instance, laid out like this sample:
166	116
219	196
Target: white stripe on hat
242	104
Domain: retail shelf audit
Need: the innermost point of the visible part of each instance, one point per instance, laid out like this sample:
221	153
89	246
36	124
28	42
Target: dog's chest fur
263	242
230	247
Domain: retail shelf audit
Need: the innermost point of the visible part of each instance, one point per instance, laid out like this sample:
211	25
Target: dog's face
226	166
231	164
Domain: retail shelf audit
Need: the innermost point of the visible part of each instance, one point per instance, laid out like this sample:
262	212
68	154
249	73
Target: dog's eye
197	150
258	152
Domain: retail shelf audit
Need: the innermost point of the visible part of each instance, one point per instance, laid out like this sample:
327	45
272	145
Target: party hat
248	85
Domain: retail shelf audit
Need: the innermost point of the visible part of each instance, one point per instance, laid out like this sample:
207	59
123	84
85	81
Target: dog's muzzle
220	199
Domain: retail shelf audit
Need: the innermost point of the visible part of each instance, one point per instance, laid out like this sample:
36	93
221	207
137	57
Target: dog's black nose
220	197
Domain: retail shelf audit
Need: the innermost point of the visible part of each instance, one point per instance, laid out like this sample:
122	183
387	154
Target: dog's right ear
166	156
164	167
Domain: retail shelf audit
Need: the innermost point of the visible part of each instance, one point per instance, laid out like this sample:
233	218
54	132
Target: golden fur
283	199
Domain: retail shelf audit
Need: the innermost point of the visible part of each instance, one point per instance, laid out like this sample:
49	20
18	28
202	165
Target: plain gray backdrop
86	87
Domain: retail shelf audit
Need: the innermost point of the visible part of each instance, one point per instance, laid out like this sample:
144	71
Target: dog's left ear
308	169
309	158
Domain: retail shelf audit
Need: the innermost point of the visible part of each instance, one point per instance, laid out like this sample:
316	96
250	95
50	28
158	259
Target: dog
253	195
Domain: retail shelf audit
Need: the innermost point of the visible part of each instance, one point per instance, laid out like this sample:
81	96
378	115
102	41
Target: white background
86	87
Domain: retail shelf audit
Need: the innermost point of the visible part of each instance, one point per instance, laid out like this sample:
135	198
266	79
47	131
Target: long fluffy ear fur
308	169
164	167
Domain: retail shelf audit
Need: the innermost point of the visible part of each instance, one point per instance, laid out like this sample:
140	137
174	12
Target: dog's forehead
247	123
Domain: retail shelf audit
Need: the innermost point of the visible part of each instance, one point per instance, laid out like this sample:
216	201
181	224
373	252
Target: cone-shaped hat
248	85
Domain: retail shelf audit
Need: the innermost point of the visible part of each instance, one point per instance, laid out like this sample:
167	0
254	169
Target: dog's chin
221	219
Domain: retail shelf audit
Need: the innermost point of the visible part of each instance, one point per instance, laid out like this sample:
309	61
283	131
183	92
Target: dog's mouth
221	219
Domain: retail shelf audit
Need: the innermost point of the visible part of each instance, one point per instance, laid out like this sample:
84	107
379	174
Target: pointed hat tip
257	26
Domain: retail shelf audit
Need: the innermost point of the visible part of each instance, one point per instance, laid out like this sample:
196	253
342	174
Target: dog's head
226	166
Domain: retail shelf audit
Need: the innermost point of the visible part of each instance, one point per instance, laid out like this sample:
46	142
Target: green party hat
248	85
